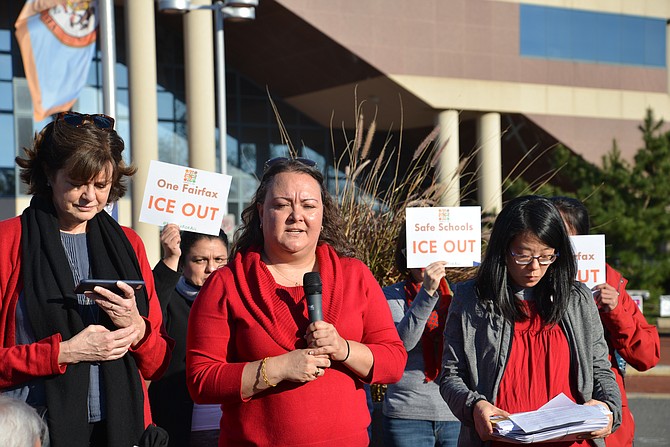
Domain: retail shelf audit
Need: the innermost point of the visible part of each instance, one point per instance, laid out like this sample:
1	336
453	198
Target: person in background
524	330
280	378
20	425
81	359
188	260
630	338
414	411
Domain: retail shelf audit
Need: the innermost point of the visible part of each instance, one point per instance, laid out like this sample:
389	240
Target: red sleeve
380	333
154	351
210	377
628	331
19	363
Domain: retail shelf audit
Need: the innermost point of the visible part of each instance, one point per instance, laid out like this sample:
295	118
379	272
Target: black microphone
312	284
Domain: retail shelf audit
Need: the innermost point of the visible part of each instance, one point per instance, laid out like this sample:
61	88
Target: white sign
449	234
191	198
590	257
665	305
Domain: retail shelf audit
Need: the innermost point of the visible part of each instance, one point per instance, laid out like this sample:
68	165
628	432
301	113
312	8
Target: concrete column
200	95
141	51
489	160
447	164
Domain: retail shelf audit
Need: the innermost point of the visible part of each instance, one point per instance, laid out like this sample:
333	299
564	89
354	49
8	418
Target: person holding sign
82	360
524	331
414	412
630	338
188	260
282	375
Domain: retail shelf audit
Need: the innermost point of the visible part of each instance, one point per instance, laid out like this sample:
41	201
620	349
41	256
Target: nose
533	262
89	191
211	266
296	214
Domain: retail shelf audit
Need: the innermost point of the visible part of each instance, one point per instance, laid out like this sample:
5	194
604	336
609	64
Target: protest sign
191	198
449	234
590	256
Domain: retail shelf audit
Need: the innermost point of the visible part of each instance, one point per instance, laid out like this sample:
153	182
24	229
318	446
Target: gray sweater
477	344
412	397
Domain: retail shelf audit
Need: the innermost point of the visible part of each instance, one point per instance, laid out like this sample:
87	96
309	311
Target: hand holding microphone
328	338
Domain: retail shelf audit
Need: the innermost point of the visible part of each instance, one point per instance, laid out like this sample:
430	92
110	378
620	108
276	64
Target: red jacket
636	341
21	363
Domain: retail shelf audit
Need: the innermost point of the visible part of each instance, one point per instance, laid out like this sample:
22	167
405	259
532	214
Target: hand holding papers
560	419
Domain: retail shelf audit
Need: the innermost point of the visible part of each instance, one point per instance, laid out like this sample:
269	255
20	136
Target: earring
260	225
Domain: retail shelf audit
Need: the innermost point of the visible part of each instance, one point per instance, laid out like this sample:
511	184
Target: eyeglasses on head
75	119
273	161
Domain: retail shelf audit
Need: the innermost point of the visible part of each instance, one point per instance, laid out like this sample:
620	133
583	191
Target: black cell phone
87	285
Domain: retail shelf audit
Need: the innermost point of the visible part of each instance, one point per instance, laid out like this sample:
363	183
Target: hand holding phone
87	285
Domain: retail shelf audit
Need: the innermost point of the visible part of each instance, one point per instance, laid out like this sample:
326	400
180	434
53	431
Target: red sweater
241	315
627	332
21	363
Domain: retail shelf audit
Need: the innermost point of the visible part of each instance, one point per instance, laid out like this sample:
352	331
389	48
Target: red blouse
538	369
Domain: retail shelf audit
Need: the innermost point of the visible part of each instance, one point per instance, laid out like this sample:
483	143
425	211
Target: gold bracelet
265	377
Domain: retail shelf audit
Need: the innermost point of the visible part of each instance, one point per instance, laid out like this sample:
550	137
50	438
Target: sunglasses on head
102	122
273	161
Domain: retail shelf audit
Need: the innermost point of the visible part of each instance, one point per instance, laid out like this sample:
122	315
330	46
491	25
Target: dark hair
250	234
84	151
574	214
189	238
537	216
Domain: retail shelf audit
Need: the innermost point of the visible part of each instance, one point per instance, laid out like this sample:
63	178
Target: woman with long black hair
524	330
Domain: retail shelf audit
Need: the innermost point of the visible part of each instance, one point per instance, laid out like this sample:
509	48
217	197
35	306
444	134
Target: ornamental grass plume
373	191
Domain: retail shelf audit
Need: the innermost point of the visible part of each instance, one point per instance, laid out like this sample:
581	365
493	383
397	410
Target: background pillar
489	157
143	106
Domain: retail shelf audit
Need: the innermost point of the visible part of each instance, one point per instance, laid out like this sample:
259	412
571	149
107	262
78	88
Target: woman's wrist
345	357
141	325
64	354
271	370
264	374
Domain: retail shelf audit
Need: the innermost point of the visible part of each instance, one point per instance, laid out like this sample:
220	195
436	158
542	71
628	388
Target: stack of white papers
560	419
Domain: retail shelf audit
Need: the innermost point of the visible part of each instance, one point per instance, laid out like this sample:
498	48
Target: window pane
568	34
165	105
8	146
6	67
172	147
5	40
121	72
6	96
248	154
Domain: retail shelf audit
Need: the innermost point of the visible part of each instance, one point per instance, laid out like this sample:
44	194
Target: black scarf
52	308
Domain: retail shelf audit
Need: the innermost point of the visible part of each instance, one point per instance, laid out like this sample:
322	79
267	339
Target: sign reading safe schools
449	234
590	257
190	198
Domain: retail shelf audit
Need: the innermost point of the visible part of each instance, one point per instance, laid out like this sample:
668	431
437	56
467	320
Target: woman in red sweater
280	378
629	337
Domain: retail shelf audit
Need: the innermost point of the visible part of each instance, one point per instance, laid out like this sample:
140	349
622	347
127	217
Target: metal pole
221	91
108	56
